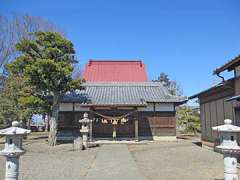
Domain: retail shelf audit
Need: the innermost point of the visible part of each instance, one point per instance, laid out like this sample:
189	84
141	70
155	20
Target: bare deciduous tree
6	40
17	27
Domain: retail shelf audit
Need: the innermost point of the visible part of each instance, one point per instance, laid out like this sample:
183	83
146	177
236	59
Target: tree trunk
47	120
29	120
52	137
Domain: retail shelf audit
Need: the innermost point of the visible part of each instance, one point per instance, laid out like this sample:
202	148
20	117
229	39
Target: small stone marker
13	149
229	147
78	144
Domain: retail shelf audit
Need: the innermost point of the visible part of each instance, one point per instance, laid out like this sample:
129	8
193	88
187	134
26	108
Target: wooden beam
73	114
136	128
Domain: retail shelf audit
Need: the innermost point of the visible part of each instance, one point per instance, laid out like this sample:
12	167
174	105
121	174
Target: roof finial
228	121
15	124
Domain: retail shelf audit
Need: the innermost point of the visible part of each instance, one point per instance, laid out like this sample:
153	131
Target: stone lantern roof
14	130
85	119
227	127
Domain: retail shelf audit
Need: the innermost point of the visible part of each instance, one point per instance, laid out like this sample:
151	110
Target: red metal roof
115	71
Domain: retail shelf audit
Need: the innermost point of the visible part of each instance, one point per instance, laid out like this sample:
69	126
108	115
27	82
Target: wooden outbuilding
220	102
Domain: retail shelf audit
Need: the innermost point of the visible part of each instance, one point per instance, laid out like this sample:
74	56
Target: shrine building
121	102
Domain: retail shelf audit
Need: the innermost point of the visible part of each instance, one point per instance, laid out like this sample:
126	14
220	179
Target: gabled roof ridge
116	83
227	65
212	87
115	62
112	60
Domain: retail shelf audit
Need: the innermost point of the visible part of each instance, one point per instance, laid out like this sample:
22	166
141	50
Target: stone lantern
229	147
85	129
13	149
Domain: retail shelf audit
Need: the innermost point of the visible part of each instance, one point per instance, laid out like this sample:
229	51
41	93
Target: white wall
69	107
158	107
164	107
66	107
150	107
79	108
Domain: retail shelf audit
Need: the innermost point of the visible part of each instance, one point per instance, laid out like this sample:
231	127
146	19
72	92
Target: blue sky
185	39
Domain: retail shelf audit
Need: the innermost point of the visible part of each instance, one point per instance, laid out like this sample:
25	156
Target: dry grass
37	135
30	137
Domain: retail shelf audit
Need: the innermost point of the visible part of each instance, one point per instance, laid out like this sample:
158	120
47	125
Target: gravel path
154	161
177	161
58	163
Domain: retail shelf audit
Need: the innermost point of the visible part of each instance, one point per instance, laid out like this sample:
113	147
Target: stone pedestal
12	166
78	144
230	167
84	133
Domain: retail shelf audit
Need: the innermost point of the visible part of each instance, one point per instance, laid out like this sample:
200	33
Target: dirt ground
154	160
42	162
182	160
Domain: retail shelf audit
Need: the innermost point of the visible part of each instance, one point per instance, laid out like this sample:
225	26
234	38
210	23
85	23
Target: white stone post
13	149
229	147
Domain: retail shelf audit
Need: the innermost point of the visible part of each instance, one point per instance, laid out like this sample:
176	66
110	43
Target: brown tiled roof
228	66
122	93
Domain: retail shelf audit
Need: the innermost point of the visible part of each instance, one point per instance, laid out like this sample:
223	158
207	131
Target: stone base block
164	138
78	144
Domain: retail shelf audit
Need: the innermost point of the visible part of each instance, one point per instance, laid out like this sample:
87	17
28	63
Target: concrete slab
114	162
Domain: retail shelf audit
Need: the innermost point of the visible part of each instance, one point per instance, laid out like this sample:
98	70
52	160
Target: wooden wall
149	123
213	114
214	109
105	130
157	124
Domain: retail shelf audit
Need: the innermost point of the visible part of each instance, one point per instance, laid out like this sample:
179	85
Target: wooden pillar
136	128
114	132
73	115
